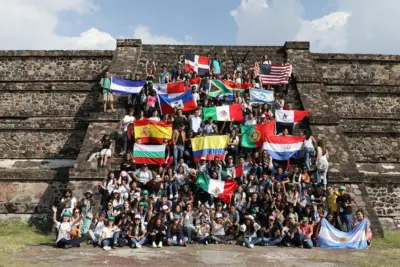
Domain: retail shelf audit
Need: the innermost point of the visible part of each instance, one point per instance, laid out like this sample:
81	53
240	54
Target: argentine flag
125	87
330	237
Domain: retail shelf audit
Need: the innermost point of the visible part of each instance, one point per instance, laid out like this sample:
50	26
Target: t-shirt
143	176
195	123
106	82
306	229
217	67
342	208
164	76
151	101
218	229
127	120
64	231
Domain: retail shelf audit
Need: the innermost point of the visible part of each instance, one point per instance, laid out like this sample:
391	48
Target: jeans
111	242
189	230
72	242
203	239
302	240
348	220
272	241
321	176
171	188
133	241
178	151
252	240
176	242
94	237
307	156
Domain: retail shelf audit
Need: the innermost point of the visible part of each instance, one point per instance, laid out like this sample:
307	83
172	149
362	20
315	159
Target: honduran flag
184	101
195	81
125	87
209	146
330	237
149	154
175	88
224	113
198	64
288	118
283	147
219	189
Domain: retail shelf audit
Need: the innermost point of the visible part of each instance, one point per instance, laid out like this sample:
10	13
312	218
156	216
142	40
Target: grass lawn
16	236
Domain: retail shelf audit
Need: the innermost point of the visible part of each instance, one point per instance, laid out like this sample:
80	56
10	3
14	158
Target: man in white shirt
195	122
97	227
154	116
210	127
266	61
128	119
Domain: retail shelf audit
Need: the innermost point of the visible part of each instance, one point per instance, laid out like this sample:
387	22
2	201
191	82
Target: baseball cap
111	219
218	216
342	187
305	219
203	158
137	216
115	191
145	165
89	192
145	192
263	116
67	214
142	203
292	216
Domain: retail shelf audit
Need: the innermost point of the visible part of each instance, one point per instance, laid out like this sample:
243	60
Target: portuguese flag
149	154
253	135
220	189
150	131
224	113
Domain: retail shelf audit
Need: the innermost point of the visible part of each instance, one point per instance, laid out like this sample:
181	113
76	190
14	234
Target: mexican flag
224	113
234	172
220	189
253	135
221	88
149	154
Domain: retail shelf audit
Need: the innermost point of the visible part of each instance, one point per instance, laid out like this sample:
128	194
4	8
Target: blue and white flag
330	237
261	96
125	87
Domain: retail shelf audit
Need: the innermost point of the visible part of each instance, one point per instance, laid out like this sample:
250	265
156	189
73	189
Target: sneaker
160	244
176	196
251	246
171	196
206	243
138	245
154	245
244	244
107	248
67	246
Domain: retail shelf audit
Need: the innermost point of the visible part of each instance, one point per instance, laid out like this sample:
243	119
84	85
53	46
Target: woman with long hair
322	163
64	227
175	235
109	235
360	217
137	233
250	232
157	233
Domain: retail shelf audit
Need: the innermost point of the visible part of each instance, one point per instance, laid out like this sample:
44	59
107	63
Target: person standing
126	121
105	83
178	140
322	163
345	208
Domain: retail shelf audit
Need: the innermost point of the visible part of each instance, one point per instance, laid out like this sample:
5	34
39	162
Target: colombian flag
209	146
150	131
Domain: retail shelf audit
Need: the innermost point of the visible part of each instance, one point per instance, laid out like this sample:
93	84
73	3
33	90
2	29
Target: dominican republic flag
283	147
330	237
261	96
171	89
149	154
125	87
219	189
198	64
232	112
195	82
286	119
184	101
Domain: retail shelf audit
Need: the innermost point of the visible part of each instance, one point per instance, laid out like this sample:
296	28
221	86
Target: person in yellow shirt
331	200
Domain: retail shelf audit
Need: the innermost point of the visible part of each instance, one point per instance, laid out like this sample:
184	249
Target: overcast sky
348	26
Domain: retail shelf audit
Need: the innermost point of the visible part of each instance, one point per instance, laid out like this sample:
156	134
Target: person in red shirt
305	231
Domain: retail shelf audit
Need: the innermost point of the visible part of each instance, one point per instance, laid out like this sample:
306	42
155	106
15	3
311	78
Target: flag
195	82
261	96
198	64
174	89
209	146
236	86
219	88
234	172
184	101
219	189
150	131
283	147
232	112
286	119
274	74
253	135
330	237
125	87
149	154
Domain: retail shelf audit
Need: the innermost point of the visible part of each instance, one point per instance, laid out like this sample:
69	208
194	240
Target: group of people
275	203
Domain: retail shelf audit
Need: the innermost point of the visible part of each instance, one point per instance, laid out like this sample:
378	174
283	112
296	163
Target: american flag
274	74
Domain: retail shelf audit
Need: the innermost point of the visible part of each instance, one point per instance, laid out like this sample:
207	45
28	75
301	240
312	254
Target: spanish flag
209	146
150	131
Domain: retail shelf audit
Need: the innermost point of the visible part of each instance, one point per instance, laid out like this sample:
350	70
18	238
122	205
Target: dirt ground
193	255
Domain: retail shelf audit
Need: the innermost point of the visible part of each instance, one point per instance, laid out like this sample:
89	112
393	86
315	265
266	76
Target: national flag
330	237
149	154
184	101
261	96
253	135
283	147
286	119
219	88
236	86
232	112
198	64
150	131
219	189
209	146
175	88
125	87
234	172
274	74
195	81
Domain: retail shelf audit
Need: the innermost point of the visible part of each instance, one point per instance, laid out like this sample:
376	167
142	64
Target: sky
340	26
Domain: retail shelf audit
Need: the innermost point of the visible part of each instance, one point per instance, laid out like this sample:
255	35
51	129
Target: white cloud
143	32
357	26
